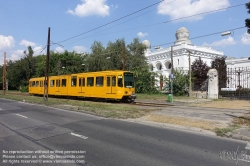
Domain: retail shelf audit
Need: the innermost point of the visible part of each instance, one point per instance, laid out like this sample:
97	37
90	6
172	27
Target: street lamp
226	33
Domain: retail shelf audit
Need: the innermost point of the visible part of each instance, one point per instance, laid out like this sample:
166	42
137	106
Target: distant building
159	59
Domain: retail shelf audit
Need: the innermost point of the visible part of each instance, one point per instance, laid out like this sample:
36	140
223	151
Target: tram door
41	87
58	84
81	85
111	85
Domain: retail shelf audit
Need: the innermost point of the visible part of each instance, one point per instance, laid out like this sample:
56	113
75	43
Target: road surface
37	134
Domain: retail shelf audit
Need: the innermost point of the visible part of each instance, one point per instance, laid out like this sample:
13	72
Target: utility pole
172	72
190	83
4	74
46	80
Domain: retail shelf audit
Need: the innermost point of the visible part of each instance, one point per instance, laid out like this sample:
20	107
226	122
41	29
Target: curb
241	137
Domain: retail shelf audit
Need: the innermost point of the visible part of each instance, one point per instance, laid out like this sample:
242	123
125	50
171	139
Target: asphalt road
32	133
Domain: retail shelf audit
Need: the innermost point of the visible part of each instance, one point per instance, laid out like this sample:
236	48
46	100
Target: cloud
79	49
90	7
114	6
37	50
16	55
141	34
245	39
6	42
183	8
221	43
27	43
59	49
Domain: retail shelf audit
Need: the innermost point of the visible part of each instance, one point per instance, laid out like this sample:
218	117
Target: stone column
213	87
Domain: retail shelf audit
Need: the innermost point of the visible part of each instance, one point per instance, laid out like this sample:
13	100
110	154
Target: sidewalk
200	118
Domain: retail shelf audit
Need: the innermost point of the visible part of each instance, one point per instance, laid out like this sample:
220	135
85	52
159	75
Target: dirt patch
203	124
231	104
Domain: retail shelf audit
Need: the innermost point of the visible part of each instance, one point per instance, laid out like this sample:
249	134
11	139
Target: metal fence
238	84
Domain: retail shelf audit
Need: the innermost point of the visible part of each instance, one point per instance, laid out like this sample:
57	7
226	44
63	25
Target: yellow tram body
104	84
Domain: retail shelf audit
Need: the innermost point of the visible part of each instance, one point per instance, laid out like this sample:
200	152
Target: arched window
159	66
168	65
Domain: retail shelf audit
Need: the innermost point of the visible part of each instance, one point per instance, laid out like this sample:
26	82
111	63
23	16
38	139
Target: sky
76	24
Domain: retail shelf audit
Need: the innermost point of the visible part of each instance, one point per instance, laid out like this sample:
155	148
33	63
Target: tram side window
33	83
120	81
57	83
99	81
52	83
37	83
64	81
108	81
114	81
73	80
90	81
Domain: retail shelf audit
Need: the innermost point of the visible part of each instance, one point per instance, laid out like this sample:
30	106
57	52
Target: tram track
149	104
136	103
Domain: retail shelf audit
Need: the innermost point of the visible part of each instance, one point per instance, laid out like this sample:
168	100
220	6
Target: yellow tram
118	85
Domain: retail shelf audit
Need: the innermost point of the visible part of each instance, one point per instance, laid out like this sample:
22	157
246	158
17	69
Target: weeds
223	131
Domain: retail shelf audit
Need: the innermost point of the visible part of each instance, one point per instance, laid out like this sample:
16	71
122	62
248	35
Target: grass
244	121
109	110
223	131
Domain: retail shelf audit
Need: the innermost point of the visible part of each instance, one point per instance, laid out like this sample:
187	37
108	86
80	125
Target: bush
24	88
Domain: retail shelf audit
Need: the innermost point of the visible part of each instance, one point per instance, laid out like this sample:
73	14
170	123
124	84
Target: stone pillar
213	87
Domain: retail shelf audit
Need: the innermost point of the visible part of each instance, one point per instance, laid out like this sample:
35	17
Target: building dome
182	36
147	44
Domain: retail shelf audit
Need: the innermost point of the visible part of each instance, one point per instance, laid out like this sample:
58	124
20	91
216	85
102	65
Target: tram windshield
128	80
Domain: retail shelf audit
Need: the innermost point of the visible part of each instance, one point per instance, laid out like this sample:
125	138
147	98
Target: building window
168	65
150	67
178	61
159	66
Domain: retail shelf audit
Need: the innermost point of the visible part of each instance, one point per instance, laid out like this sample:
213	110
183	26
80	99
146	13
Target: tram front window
128	80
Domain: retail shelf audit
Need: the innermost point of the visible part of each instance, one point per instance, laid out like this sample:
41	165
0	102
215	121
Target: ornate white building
159	60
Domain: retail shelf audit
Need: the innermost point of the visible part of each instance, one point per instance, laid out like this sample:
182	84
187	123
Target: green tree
180	83
116	53
220	65
137	63
247	21
199	72
66	63
30	63
95	60
40	64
